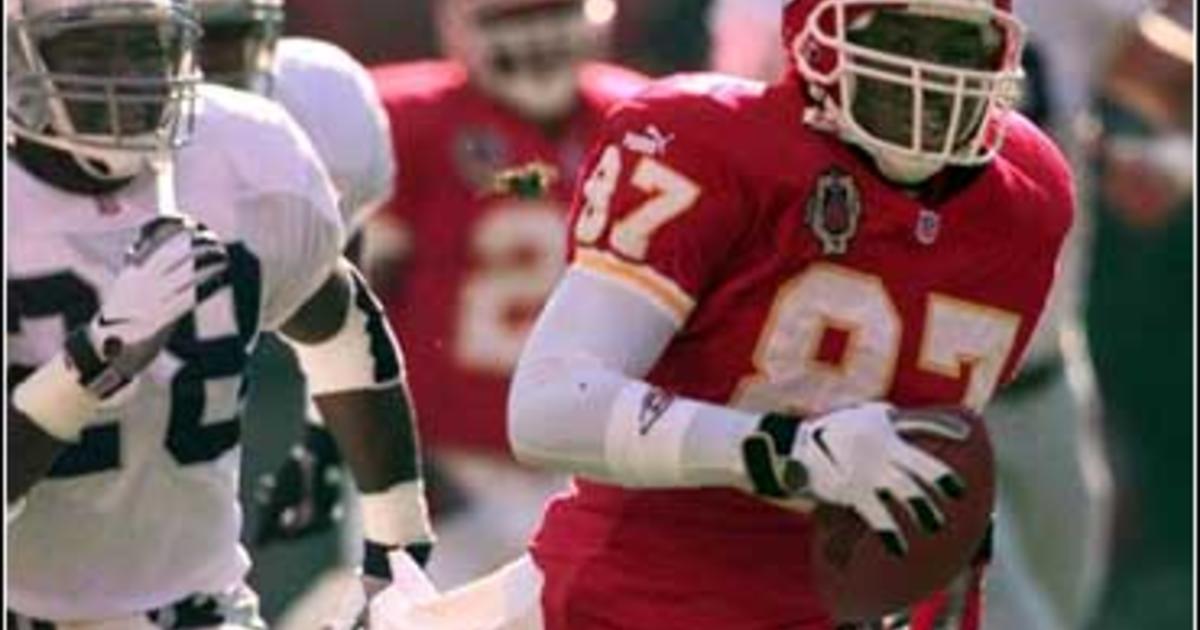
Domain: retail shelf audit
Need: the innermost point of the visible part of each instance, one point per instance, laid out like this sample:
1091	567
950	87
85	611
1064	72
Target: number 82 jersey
143	510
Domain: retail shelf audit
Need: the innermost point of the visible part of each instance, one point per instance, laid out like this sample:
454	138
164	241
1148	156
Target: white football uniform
143	510
335	101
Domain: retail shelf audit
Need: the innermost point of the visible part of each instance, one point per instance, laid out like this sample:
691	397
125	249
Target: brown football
858	578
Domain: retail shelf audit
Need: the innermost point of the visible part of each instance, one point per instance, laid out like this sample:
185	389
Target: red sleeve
1041	270
1051	203
415	97
655	210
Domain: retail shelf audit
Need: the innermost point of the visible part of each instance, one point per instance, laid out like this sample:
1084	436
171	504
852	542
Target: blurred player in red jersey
484	232
877	228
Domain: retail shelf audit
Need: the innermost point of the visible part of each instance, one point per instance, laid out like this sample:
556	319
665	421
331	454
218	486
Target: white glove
855	458
160	282
358	609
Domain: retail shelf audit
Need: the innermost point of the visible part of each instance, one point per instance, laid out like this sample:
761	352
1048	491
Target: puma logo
651	141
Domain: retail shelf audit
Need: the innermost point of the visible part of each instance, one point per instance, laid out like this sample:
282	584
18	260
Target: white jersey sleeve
296	247
285	205
335	101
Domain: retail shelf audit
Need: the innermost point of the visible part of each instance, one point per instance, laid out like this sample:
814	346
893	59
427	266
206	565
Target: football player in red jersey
1051	580
878	230
476	136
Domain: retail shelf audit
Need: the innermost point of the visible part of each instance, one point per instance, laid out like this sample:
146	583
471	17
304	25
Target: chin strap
102	166
59	169
112	168
903	170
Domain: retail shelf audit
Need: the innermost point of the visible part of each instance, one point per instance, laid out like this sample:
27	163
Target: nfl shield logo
929	226
833	211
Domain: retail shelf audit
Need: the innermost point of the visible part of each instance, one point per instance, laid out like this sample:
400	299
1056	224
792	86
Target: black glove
304	497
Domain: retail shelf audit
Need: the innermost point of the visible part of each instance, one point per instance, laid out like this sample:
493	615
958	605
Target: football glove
164	272
304	496
854	458
383	567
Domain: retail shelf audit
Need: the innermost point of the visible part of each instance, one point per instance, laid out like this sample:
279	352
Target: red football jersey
482	263
801	281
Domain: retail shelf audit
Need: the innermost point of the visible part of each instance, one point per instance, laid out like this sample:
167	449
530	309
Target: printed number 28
210	347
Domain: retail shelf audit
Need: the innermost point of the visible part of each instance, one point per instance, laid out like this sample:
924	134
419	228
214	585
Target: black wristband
762	453
420	553
375	557
95	373
84	357
375	560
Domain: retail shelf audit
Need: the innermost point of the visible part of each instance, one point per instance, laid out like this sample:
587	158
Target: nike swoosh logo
104	321
818	436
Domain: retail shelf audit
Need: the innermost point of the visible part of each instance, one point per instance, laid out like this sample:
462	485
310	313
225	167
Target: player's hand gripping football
161	280
856	458
304	496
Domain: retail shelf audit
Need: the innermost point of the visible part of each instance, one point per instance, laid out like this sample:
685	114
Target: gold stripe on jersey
661	290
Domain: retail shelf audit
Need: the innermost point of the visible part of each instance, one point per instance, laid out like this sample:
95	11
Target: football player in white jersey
131	324
332	97
327	91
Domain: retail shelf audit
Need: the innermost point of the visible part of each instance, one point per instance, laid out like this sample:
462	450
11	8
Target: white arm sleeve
290	221
577	403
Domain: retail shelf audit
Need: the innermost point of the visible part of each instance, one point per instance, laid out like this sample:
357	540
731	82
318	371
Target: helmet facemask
238	47
918	85
527	55
111	84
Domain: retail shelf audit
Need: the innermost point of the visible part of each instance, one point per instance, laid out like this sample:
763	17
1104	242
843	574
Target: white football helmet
110	82
918	84
238	47
526	53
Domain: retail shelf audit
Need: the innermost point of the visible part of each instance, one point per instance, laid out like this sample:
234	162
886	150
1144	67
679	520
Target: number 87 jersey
799	281
142	511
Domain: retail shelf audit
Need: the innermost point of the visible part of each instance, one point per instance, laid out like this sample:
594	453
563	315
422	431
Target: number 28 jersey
800	281
143	510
